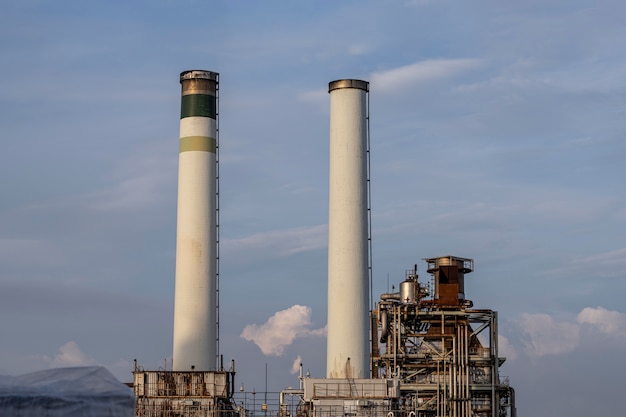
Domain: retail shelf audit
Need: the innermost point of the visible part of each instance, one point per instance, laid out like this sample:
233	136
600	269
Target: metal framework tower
443	352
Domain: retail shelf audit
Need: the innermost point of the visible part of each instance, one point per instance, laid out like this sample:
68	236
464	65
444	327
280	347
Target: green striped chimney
195	303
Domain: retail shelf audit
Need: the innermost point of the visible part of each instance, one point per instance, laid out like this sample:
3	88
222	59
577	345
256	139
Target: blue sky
497	133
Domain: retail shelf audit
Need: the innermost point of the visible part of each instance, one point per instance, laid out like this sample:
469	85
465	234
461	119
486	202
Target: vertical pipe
444	378
348	260
374	343
396	337
493	348
463	369
454	374
439	399
460	389
459	376
467	381
195	303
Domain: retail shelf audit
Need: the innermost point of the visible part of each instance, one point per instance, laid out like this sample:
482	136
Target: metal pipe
494	365
454	375
466	364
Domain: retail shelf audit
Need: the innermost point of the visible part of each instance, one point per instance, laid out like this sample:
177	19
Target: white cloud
70	355
280	330
423	71
607	321
545	336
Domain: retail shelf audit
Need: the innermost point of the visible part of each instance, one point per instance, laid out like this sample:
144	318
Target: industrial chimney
348	252
195	304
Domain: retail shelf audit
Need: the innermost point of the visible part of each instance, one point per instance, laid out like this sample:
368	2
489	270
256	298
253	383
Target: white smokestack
348	277
195	304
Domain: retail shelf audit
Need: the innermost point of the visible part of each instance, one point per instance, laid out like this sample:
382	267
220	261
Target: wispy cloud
280	243
280	330
138	182
359	49
396	79
31	252
418	2
609	264
318	97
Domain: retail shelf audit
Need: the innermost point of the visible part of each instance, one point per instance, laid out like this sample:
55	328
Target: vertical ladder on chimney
369	228
350	378
217	218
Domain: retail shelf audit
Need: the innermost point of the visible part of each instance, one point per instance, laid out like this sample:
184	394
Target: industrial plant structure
432	355
423	351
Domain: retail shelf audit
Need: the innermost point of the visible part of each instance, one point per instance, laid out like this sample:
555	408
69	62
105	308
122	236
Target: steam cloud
295	368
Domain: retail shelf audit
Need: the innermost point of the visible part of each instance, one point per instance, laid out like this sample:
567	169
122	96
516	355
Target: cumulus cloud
423	71
70	355
543	335
546	336
607	321
280	330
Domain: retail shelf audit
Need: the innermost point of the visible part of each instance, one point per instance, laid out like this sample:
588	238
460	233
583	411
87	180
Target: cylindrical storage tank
407	292
348	277
195	303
